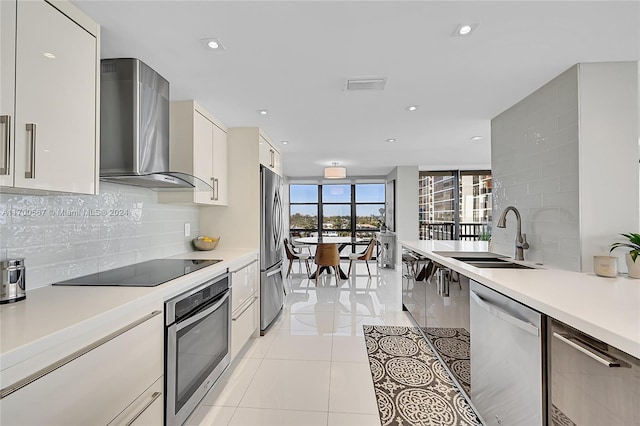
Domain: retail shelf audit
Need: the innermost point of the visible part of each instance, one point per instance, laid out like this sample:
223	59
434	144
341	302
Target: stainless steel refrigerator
271	250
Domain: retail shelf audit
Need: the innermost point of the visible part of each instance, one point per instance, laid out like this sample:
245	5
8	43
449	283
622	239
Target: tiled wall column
561	156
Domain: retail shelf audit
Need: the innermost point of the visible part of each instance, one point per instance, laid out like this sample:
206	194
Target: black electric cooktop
146	274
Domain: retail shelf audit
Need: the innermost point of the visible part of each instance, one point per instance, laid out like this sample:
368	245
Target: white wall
406	192
68	236
561	156
609	191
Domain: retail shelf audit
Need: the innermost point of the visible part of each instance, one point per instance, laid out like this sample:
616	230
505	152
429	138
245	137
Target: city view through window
455	205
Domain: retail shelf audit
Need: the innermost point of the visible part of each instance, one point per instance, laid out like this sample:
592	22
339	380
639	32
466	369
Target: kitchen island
525	343
605	308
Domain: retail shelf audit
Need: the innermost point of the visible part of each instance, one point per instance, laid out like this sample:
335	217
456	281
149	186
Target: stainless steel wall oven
197	345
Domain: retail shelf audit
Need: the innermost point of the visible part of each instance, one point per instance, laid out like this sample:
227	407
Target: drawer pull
249	303
503	315
75	355
244	266
154	396
604	359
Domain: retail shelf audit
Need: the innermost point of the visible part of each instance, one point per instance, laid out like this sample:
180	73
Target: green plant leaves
633	243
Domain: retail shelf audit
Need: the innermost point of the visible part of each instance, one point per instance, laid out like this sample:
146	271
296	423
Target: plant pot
633	267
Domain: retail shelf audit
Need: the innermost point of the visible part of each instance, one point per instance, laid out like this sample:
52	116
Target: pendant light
335	172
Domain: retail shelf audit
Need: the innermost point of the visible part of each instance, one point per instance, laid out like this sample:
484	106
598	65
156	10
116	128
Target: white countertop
605	308
54	320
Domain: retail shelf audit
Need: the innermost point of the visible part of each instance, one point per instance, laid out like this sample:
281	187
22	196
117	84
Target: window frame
320	203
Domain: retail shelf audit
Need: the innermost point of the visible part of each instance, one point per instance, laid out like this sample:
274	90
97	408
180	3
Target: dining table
342	243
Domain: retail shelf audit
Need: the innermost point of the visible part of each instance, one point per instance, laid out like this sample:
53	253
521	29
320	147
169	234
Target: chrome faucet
521	239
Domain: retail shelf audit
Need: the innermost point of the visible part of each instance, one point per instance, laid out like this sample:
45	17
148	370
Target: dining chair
298	247
296	256
365	255
327	255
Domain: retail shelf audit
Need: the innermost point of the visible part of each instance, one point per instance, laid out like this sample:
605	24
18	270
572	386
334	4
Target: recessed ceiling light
212	43
465	30
263	111
391	140
285	142
476	138
49	55
412	107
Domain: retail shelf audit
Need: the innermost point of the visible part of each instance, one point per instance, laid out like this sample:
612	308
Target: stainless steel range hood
134	128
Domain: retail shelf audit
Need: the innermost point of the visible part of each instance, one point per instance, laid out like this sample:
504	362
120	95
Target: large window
336	209
303	213
455	205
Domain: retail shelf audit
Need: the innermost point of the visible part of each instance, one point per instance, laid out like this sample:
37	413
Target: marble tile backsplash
535	164
67	236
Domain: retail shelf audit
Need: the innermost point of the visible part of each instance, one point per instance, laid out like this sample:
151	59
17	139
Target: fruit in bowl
205	243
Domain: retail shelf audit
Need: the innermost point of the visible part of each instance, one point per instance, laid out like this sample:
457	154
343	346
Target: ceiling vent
366	83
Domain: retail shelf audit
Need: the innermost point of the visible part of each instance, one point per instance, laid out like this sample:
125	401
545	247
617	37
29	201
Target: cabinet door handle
216	188
71	357
31	174
213	191
499	313
272	159
248	303
154	396
5	120
590	352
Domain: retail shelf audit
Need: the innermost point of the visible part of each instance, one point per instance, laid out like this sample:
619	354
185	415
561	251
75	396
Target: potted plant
633	242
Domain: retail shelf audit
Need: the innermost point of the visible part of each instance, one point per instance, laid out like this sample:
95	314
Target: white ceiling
292	58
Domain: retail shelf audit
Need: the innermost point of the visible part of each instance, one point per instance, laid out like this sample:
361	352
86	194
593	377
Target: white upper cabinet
269	156
49	107
198	146
7	83
220	165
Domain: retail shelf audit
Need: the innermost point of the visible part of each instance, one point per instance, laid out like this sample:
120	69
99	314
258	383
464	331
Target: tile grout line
333	325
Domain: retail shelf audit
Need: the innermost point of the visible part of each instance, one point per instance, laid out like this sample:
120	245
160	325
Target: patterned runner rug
412	388
454	347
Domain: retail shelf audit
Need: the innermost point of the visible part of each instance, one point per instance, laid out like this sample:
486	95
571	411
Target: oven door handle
187	322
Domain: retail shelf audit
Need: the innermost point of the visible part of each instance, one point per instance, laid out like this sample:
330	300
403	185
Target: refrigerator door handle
272	273
499	313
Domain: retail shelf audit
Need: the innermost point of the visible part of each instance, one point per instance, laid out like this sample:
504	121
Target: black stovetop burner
146	274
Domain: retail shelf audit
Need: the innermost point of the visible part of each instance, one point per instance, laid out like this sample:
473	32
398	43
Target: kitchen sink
482	259
501	264
470	255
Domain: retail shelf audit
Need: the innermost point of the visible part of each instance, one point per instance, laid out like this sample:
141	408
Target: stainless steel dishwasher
508	362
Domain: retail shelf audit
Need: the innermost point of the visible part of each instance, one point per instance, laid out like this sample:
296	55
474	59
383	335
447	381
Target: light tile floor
312	367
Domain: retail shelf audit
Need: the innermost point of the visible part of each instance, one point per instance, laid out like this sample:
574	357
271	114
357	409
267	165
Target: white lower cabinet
96	384
146	410
244	325
245	309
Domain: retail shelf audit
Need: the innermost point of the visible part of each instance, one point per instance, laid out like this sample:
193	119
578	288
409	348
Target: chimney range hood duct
134	128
